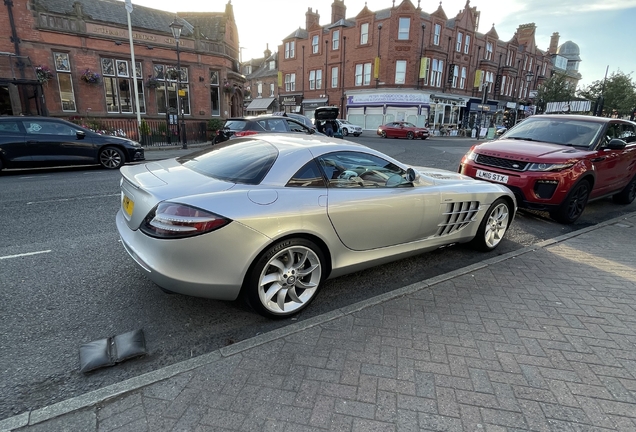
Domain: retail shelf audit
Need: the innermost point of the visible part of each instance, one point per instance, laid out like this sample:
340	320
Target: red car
402	129
557	163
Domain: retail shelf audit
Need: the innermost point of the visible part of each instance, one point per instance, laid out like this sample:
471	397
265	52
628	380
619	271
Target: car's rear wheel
111	158
383	134
285	279
573	205
626	196
410	135
493	226
345	132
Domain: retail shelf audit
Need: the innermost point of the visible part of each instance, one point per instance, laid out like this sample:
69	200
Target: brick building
261	76
402	63
72	58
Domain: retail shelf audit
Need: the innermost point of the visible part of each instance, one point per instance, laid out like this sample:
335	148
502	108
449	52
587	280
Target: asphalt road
79	285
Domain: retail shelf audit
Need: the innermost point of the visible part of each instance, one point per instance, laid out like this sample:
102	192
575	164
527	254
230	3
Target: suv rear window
235	125
246	162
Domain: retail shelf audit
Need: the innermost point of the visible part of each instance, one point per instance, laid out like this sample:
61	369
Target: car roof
574	117
318	144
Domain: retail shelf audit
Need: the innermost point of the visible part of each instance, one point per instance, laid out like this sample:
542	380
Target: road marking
24	254
71	199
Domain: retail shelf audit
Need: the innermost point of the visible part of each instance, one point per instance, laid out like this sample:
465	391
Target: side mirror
411	175
616	144
80	134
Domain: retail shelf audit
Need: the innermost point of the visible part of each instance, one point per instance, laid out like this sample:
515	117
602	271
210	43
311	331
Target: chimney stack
554	43
311	18
338	11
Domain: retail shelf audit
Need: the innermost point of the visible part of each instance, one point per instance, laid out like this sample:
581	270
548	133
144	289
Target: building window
489	80
290	48
290	82
315	44
334	77
436	73
400	71
545	65
530	64
363	74
166	91
315	79
119	86
525	62
458	45
335	40
488	50
404	28
271	89
364	34
272	65
215	93
462	81
425	64
259	89
436	34
65	81
455	72
466	44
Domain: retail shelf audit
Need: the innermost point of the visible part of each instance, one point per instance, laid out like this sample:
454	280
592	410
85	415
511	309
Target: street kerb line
24	254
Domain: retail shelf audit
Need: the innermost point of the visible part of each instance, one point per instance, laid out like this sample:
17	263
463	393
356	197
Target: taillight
173	220
245	133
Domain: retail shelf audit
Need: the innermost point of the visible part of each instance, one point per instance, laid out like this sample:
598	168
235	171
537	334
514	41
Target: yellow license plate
128	205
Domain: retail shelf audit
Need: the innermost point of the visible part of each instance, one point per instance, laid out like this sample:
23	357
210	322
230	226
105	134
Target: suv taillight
245	133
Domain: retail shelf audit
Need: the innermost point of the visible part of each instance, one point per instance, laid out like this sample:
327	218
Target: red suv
558	163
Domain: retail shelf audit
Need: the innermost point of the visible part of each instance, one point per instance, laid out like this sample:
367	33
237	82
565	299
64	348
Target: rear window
235	125
245	162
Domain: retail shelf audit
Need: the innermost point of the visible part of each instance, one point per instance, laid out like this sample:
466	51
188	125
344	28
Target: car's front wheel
410	135
626	196
493	226
345	131
285	279
383	134
573	205
111	158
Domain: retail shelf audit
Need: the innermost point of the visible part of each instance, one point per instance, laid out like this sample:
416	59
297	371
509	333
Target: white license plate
487	175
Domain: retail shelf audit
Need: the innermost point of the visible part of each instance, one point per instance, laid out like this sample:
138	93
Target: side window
628	133
276	125
295	127
360	170
613	131
9	127
308	176
39	127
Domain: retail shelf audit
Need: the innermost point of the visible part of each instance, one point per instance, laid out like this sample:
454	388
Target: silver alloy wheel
111	158
496	225
289	280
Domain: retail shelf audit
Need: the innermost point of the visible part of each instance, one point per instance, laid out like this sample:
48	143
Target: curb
92	398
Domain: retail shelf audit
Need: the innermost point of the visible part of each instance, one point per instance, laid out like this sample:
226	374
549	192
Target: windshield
237	161
562	131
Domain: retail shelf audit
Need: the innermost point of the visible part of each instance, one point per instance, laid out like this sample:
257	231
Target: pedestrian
328	128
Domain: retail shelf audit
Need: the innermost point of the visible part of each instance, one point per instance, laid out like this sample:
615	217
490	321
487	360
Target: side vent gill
458	215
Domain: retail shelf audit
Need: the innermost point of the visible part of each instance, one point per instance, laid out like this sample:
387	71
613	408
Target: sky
603	29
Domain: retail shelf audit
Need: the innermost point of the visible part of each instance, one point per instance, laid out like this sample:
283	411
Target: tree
618	94
557	88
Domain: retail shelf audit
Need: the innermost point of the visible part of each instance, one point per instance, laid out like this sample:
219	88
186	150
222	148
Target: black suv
30	142
245	126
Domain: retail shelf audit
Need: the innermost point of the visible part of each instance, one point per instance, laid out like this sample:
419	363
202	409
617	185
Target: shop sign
388	98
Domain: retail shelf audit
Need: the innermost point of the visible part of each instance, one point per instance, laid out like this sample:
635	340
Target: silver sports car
271	218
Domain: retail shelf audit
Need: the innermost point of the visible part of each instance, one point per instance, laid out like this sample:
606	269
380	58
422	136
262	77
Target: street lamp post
176	28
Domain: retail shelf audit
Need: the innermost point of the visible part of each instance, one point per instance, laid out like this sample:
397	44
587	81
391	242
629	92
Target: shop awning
260	104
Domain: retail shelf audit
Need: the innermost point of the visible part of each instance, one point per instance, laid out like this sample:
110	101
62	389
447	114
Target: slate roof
114	12
263	70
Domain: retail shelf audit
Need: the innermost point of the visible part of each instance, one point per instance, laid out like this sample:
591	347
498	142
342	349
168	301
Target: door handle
598	159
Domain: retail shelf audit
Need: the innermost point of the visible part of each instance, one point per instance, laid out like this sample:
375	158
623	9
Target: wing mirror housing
412	175
616	144
80	134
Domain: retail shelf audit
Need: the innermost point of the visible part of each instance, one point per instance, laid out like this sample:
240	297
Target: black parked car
245	126
29	142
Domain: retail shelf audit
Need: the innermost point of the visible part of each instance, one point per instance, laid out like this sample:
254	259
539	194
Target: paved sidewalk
542	339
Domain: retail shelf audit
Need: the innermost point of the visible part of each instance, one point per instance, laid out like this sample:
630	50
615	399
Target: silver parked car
271	217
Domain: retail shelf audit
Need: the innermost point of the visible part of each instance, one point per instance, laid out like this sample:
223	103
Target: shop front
482	114
310	105
370	110
291	103
446	114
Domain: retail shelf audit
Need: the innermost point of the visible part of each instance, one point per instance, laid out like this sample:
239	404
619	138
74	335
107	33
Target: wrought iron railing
153	133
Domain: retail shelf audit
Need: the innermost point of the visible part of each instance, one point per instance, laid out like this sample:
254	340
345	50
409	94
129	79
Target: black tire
345	132
574	203
410	135
493	226
294	286
383	134
111	158
626	196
